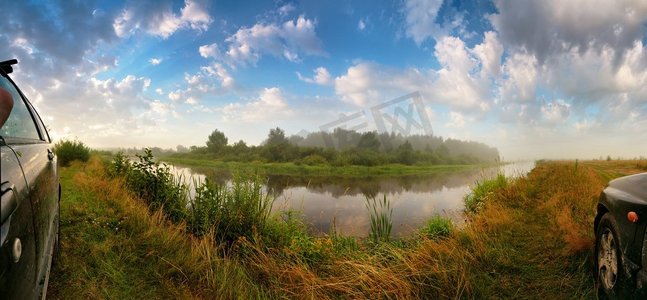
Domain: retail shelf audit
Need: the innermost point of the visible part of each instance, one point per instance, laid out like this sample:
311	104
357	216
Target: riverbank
530	238
292	169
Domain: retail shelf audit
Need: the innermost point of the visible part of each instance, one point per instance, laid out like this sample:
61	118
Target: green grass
437	227
318	170
482	190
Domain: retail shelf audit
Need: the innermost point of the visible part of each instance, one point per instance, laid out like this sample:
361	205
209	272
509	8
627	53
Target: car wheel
608	258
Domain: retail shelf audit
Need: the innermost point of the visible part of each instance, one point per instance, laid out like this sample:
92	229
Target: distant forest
342	147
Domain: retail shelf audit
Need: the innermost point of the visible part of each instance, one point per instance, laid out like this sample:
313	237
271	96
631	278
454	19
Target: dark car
621	243
30	190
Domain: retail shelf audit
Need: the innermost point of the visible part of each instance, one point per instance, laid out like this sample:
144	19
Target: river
414	199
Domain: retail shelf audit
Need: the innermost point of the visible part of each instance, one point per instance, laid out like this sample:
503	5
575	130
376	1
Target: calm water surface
414	198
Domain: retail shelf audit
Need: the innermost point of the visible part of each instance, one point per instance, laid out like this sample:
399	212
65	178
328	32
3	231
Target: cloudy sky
537	79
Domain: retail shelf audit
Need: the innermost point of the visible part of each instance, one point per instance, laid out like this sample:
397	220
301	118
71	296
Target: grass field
289	168
530	238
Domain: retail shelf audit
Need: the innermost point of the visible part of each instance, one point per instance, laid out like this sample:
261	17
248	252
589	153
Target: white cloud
175	96
555	112
155	61
158	18
220	72
287	40
361	25
270	105
321	77
195	15
286	9
457	120
457	83
159	91
521	78
211	50
489	53
421	19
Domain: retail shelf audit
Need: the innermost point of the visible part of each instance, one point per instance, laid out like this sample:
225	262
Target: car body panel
17	280
40	174
621	196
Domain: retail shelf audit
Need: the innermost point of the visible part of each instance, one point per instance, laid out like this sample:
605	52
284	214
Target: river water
413	198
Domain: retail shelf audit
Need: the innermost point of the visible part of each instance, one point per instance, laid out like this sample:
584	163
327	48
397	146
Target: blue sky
537	79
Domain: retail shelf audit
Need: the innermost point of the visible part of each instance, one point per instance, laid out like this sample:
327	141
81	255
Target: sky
536	79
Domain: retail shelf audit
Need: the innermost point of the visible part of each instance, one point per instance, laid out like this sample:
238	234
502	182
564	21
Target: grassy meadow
291	168
529	237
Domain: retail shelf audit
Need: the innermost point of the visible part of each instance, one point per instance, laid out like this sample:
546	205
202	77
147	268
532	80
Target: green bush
68	151
238	210
314	159
438	227
153	183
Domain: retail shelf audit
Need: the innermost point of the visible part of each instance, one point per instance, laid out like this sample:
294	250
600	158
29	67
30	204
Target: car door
18	262
25	135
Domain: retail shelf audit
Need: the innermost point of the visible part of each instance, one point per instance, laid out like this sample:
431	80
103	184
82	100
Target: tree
276	137
405	154
369	141
217	141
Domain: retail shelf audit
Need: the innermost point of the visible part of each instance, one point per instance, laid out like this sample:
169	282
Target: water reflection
326	199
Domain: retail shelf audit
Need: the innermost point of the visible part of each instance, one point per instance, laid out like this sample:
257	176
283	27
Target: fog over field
535	79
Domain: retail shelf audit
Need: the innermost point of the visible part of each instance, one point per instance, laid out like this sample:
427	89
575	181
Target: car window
20	123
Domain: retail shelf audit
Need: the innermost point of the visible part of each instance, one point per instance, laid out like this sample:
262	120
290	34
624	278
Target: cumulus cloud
489	53
421	19
219	71
158	18
544	28
287	40
555	112
209	81
210	50
270	104
521	78
457	83
321	77
78	28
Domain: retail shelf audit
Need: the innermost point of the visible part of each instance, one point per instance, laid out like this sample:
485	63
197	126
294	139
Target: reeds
381	215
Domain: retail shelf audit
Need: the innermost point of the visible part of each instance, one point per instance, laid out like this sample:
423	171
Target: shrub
119	166
238	210
153	183
314	159
67	151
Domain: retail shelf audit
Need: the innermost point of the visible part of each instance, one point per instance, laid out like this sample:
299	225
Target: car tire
609	271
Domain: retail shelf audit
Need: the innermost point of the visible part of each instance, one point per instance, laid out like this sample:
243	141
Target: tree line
347	147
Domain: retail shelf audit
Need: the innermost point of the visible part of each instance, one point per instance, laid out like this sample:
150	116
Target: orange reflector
632	216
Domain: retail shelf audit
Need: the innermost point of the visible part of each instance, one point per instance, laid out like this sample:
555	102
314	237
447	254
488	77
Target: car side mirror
6	104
